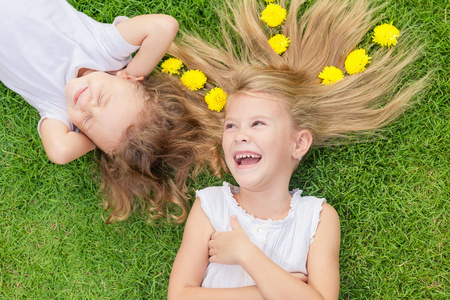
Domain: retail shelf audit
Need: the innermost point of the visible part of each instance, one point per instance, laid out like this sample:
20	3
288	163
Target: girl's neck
271	204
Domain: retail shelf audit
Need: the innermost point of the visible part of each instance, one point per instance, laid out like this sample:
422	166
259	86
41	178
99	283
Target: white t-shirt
286	242
44	43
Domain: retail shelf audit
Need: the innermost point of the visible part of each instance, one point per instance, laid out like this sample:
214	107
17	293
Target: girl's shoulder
329	213
218	204
216	193
306	203
311	211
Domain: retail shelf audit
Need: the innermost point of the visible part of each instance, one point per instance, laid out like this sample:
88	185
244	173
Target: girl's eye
256	123
229	125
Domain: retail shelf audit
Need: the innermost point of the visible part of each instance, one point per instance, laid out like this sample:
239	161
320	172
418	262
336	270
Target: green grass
392	194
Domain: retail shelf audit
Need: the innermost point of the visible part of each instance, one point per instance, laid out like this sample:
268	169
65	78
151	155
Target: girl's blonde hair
179	134
322	36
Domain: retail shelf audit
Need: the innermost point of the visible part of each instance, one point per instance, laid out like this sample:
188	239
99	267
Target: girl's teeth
247	156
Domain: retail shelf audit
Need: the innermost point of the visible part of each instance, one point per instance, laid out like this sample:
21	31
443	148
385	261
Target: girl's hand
230	247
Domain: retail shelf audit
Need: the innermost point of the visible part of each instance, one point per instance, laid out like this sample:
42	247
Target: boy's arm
191	262
154	33
62	145
276	283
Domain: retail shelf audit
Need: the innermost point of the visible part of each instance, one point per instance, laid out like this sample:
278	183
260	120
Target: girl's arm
154	33
191	262
273	281
62	145
323	256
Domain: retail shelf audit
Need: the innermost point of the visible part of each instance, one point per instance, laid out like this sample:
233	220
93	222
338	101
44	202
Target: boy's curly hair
175	138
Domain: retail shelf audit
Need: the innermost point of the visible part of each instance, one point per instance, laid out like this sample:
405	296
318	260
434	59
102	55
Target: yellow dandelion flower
330	75
193	79
216	99
386	35
356	61
172	66
279	43
273	15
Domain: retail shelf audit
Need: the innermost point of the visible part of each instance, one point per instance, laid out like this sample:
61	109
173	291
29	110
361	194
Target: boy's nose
86	104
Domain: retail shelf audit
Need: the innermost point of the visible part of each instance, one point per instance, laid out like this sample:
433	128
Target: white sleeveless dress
286	242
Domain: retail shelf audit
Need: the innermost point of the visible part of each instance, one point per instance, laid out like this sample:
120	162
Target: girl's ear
123	74
303	141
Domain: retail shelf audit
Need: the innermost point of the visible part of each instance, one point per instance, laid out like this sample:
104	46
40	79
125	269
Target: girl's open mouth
247	159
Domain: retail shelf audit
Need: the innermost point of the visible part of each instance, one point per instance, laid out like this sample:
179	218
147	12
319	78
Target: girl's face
259	141
103	106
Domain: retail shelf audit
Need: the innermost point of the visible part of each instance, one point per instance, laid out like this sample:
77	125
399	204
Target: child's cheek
77	118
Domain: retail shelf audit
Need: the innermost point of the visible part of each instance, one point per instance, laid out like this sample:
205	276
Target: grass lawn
392	194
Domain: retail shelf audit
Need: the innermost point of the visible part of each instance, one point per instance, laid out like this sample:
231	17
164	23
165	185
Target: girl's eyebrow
228	119
261	117
252	117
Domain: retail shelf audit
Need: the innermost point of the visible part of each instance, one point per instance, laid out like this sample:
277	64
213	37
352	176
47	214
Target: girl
258	240
281	239
90	92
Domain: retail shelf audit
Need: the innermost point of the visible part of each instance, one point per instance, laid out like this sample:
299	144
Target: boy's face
103	106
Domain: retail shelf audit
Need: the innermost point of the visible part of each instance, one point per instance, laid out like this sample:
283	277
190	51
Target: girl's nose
242	137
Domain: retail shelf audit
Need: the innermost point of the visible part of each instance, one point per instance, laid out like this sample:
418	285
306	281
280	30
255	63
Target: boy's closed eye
99	103
85	120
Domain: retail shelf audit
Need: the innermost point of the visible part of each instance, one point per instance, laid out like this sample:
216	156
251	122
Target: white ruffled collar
231	189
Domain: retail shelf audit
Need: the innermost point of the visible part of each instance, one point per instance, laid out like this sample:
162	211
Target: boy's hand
154	34
125	75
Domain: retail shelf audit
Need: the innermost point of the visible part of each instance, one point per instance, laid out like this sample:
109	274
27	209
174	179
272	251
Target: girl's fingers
234	223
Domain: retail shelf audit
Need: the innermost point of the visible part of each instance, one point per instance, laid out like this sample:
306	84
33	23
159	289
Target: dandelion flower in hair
172	66
193	79
330	75
273	15
279	43
216	99
386	35
356	61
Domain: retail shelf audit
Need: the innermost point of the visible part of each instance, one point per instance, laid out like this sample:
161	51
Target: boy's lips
77	94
